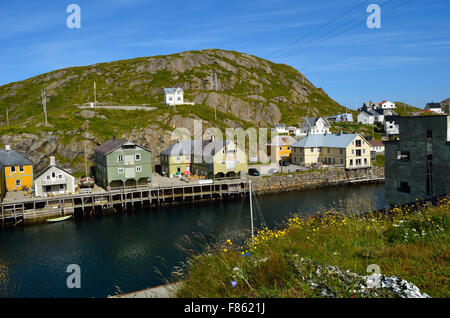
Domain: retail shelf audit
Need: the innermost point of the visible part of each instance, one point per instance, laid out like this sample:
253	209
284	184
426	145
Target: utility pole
251	212
95	95
7	117
44	104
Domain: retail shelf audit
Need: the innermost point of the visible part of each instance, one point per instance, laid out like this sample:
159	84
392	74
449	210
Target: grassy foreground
410	244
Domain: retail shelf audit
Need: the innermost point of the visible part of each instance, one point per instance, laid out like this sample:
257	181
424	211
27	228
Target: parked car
273	170
284	163
253	172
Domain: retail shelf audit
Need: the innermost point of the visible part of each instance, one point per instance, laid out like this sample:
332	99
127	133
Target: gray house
121	163
418	164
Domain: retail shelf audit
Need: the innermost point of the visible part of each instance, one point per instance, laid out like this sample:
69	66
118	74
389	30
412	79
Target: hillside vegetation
250	91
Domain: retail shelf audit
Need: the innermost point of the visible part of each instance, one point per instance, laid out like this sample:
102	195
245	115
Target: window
138	168
137	156
53	175
365	161
288	148
18	182
351	162
48	177
342	161
60	176
328	150
402	156
353	151
358	152
340	151
364	151
281	148
312	149
61	187
21	169
404	187
178	158
358	143
13	169
120	158
120	170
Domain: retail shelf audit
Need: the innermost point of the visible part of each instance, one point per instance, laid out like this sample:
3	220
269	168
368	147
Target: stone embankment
315	180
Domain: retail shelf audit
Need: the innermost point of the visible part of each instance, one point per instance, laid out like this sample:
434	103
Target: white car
273	170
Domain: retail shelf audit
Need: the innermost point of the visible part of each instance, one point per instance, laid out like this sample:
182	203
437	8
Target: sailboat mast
251	212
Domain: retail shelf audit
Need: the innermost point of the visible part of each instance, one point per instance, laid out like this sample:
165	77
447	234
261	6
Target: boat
60	219
87	182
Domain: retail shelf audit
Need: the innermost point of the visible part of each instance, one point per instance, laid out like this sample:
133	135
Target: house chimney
52	161
7	147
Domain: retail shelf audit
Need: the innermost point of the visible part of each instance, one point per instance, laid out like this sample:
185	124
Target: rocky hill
250	91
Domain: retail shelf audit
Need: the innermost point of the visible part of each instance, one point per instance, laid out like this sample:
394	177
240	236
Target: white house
387	105
376	146
318	125
53	181
434	107
367	118
280	129
391	126
173	96
341	118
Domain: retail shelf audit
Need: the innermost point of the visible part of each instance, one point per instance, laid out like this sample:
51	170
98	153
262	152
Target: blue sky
408	59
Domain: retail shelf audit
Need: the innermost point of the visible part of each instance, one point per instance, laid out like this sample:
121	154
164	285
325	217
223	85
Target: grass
379	161
412	244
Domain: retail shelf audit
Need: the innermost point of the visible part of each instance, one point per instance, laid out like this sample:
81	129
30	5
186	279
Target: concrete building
120	163
53	181
351	151
418	164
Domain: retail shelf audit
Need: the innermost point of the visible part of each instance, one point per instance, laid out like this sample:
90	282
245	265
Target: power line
310	44
323	26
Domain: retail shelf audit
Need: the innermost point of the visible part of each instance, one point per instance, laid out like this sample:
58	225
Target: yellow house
176	159
216	159
280	148
351	151
16	171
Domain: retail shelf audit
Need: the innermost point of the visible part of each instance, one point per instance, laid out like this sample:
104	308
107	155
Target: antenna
95	95
44	104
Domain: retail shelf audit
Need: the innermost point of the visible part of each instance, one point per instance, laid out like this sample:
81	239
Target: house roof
433	106
328	140
393	118
112	145
194	147
279	126
13	158
376	143
55	166
180	147
170	90
311	122
282	141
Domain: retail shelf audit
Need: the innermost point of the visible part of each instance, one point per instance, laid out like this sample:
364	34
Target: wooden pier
41	209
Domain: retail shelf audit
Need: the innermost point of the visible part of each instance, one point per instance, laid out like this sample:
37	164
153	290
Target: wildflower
234	283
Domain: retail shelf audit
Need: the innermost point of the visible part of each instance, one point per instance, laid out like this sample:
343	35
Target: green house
121	163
